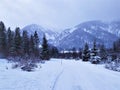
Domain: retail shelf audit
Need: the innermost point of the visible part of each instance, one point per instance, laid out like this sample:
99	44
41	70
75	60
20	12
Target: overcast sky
58	14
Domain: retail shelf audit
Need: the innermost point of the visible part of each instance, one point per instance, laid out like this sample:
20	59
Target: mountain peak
50	35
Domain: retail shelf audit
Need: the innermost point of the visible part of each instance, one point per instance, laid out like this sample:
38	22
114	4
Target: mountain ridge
86	32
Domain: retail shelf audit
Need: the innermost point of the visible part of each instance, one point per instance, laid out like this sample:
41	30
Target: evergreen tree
118	45
18	41
31	45
25	42
74	53
103	53
9	33
12	49
53	51
45	50
3	44
9	39
36	40
36	44
80	53
95	59
86	53
114	47
94	50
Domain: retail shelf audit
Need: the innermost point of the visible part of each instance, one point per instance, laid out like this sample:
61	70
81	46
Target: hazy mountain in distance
50	35
102	32
88	32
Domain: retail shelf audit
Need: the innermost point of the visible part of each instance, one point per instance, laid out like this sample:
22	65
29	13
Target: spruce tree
9	32
53	51
86	53
94	50
115	47
95	59
103	53
9	40
36	44
3	44
45	50
31	45
74	53
18	41
25	43
12	49
80	53
36	40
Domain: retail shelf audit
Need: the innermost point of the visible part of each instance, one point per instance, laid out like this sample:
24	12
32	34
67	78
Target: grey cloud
59	14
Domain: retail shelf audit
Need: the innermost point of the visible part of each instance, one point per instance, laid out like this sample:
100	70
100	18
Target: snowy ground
57	75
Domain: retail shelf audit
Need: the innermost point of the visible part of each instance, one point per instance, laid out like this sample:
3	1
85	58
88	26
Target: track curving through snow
79	75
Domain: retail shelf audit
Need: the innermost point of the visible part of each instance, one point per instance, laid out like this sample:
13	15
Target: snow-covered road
85	76
57	75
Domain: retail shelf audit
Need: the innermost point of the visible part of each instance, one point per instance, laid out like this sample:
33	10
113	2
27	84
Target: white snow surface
72	29
59	74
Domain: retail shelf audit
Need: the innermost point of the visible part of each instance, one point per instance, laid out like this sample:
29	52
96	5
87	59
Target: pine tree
36	44
118	44
25	43
31	45
18	41
36	40
86	53
53	51
94	50
103	53
80	53
3	44
45	50
74	53
12	49
9	39
114	47
94	58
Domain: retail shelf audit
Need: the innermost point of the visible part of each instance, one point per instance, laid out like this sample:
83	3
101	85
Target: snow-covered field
59	75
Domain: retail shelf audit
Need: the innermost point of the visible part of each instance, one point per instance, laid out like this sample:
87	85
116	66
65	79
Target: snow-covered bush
95	59
113	65
24	63
29	67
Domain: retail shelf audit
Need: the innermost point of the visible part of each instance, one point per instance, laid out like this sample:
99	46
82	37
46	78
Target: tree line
20	44
96	54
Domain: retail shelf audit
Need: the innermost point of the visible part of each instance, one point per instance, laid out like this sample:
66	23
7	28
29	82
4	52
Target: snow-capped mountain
103	33
50	35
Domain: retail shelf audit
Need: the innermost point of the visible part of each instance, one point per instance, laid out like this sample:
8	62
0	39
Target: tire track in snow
56	80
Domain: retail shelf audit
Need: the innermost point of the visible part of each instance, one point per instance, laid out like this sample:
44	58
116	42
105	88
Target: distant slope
102	32
41	31
88	32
